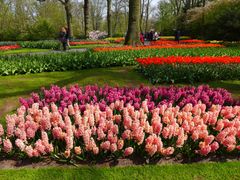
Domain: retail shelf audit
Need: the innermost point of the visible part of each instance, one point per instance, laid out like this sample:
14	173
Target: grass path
201	171
23	51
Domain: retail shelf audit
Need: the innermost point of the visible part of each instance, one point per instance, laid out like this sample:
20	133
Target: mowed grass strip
197	171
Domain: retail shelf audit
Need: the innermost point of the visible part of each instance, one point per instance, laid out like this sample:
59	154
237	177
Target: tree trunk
109	17
67	7
142	12
86	17
147	16
133	33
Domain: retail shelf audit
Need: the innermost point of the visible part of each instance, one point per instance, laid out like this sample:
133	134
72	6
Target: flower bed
121	131
190	69
9	47
115	40
88	43
127	48
104	96
189	60
163	42
22	64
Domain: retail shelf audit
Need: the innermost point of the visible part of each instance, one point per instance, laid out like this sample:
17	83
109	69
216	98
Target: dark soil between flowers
14	163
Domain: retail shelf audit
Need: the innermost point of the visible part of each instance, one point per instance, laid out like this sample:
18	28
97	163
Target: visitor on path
156	37
177	36
62	38
67	36
142	38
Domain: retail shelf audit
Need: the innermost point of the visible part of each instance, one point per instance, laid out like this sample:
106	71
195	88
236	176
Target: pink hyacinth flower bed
121	130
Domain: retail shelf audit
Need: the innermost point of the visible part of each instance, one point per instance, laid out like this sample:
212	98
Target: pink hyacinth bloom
10	125
220	125
214	146
1	130
29	151
118	118
67	153
113	147
77	150
105	145
54	107
40	147
157	127
151	149
57	132
231	147
45	123
205	150
126	134
71	110
35	153
209	139
120	144
20	144
95	150
30	132
127	122
128	151
7	146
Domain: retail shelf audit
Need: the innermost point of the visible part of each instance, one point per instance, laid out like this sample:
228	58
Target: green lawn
23	50
13	87
200	171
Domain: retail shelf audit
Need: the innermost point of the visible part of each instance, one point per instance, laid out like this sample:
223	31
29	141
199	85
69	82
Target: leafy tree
133	33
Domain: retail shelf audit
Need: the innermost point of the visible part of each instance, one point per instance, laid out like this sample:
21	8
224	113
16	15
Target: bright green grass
13	87
23	50
200	171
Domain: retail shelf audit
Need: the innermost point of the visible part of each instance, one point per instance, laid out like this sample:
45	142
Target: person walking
177	36
62	38
67	36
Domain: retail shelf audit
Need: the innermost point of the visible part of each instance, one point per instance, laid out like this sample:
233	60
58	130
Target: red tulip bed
177	46
9	47
189	69
86	130
162	42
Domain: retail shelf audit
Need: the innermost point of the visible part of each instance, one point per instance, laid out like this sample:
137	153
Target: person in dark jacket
62	38
67	36
177	36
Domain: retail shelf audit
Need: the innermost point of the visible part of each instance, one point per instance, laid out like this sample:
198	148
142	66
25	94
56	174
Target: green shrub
190	73
47	44
220	20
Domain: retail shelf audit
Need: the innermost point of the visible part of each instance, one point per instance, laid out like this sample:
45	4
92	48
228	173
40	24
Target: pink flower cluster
121	128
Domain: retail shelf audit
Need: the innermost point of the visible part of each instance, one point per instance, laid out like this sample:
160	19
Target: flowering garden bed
163	42
94	123
183	46
189	69
9	47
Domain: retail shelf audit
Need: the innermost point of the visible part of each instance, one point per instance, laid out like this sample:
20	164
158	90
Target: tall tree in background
109	17
147	15
86	17
67	7
133	33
